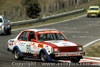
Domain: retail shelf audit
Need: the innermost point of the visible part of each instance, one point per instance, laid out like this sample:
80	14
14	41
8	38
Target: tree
32	8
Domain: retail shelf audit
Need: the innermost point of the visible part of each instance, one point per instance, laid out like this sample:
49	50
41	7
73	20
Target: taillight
8	24
80	48
0	27
56	50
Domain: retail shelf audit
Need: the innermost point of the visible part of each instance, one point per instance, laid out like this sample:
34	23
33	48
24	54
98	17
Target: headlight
80	48
56	50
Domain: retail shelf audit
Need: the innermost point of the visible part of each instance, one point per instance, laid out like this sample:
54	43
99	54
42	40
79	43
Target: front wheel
75	60
17	55
88	16
43	56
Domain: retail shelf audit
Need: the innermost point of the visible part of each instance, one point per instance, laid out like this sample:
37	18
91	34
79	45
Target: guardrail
46	18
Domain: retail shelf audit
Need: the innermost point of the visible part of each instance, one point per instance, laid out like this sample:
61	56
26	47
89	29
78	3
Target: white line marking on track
94	25
89	60
68	28
98	58
91	37
91	43
78	32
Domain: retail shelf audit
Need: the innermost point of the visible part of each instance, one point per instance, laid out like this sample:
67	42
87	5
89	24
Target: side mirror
33	40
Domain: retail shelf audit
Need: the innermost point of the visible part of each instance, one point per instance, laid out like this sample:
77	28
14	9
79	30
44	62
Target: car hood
61	43
91	11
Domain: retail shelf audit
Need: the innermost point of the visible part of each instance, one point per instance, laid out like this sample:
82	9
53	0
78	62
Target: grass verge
49	21
93	50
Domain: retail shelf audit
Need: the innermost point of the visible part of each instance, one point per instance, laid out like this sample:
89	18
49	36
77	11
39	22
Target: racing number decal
40	45
28	48
11	42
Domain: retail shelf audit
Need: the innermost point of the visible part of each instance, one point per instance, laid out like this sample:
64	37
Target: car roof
94	7
36	30
1	16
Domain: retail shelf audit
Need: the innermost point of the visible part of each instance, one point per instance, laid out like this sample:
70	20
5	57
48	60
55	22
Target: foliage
32	8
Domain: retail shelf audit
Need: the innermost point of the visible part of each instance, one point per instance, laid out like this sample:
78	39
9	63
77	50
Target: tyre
88	16
43	56
8	31
75	60
4	31
17	55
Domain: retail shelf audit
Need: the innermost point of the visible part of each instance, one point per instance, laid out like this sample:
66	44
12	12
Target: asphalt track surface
81	30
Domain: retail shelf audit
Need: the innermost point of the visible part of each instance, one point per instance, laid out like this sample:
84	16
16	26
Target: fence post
24	13
78	2
57	5
10	16
47	8
88	0
3	13
19	13
14	12
73	2
54	7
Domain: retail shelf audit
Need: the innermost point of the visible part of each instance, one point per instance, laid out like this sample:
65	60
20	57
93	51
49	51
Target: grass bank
93	50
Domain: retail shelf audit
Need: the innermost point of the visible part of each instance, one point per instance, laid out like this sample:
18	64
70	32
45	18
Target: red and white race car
45	44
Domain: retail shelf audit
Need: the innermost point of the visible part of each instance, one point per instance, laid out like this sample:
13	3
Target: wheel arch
48	57
17	48
42	50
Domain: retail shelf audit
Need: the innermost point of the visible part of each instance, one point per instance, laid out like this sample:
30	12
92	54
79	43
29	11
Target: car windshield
94	9
51	36
0	20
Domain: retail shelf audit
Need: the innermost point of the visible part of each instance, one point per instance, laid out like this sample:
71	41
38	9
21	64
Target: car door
33	45
24	44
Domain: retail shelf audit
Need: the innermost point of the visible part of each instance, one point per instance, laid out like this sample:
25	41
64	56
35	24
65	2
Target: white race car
45	44
5	27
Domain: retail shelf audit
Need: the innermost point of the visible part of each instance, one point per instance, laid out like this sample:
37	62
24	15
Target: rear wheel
43	56
4	32
17	55
88	16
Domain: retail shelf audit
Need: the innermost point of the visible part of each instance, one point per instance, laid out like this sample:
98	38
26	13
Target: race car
93	11
5	27
45	44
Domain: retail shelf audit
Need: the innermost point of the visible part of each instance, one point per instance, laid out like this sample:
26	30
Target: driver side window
31	36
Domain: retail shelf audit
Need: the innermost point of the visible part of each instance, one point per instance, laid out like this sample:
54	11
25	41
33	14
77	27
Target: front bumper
93	14
67	55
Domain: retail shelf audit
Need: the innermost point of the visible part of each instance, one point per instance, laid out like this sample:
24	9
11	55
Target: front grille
92	13
68	49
